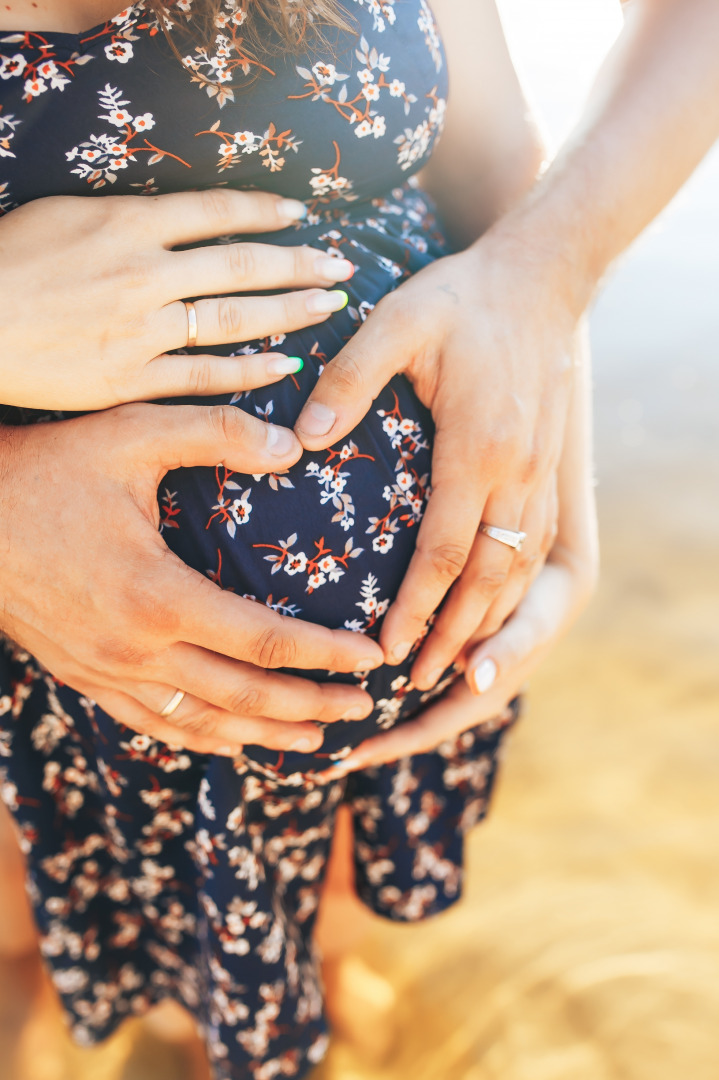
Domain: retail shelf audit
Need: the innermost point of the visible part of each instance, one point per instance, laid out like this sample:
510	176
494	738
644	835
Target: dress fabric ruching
156	872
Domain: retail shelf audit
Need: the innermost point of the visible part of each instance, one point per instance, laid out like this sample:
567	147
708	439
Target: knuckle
247	700
275	649
242	261
230	318
199	378
216	205
490	581
524	563
447	560
118	653
203	720
138	271
347	376
226	422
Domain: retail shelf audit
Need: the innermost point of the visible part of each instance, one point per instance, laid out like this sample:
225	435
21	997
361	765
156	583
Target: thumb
174	436
350	383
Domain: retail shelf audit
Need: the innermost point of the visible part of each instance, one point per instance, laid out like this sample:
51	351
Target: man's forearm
651	117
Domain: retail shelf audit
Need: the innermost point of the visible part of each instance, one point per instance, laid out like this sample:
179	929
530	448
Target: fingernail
369	665
357	712
334	269
292	209
280	441
285	365
400	652
484	675
432	679
303	745
316	419
321	303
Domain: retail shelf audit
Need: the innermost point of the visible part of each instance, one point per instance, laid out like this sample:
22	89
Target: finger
186	217
227	624
249	268
525	638
539	522
455	712
353	379
182	436
127	710
483	578
196	717
246	690
175	375
231	319
445	540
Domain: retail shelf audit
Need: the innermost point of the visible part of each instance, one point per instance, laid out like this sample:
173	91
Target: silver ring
511	537
172	703
191	323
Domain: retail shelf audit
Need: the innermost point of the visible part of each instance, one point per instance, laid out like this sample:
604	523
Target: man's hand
486	337
89	587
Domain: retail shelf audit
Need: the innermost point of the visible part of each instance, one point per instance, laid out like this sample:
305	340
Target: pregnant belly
328	541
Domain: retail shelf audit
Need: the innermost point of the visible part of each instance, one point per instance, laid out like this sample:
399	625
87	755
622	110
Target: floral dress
155	872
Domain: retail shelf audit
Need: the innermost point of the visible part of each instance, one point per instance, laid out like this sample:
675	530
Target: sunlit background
587	946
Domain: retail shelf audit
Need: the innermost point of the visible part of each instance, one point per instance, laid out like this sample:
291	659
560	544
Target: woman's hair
291	22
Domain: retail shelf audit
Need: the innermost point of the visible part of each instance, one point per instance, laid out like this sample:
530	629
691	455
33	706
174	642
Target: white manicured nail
357	712
280	441
400	652
334	269
292	209
433	678
322	303
484	675
302	745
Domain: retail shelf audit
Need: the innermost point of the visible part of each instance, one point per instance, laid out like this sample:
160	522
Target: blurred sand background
587	944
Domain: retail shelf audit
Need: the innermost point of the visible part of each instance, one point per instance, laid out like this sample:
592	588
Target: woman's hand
486	336
89	587
92	295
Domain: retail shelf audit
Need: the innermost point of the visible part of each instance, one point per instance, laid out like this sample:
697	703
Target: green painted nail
285	365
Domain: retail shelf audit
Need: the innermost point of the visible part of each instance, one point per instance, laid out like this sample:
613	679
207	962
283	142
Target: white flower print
383	542
144	122
295	564
8	127
35	87
326	74
101	156
241	508
12	65
120	51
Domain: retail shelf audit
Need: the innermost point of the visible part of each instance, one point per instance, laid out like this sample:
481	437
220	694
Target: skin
533	270
504	350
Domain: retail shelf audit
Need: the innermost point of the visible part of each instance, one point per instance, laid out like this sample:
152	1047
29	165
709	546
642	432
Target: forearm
652	115
577	525
491	150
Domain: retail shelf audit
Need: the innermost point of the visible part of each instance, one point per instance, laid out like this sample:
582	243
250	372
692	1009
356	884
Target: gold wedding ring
511	537
172	703
191	323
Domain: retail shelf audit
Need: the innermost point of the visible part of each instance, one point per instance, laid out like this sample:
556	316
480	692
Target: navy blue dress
161	873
